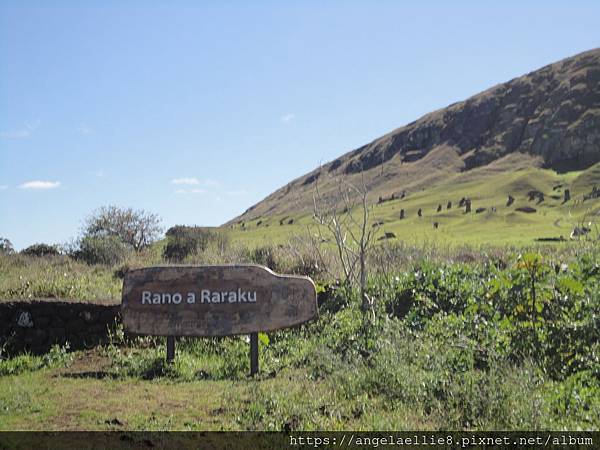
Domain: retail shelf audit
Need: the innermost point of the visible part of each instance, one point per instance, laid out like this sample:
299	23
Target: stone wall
35	325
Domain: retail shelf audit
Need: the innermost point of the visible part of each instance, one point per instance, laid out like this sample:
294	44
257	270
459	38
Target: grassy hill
538	132
488	188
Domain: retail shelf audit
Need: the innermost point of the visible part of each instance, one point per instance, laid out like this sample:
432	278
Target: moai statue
567	196
401	214
462	202
510	201
467	205
403	195
419	212
540	197
449	205
439	208
435	225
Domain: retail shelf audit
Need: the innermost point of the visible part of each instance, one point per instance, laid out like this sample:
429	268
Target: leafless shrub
345	217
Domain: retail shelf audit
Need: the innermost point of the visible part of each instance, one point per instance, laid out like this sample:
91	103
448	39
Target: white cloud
237	192
211	183
287	118
187	181
193	181
39	185
189	191
3	187
22	133
84	129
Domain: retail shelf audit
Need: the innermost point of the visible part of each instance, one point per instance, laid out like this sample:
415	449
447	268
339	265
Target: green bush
183	241
40	250
106	250
265	256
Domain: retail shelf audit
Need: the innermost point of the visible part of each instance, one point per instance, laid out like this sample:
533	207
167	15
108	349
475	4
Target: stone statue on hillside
567	196
510	201
579	231
419	212
536	195
401	214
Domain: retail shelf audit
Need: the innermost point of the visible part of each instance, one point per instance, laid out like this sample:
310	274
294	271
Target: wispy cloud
39	185
287	118
237	192
193	181
211	183
84	129
3	187
186	181
189	191
21	133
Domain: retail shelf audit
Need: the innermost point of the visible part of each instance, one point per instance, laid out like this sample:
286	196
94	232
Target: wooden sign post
214	301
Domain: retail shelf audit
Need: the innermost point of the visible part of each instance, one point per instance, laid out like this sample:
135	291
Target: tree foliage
183	241
135	228
40	250
107	250
6	247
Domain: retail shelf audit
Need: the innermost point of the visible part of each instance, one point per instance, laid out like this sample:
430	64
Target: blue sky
197	110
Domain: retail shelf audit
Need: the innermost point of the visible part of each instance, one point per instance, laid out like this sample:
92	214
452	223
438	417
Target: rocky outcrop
553	112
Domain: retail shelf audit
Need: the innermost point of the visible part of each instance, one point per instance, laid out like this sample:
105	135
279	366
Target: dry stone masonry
36	325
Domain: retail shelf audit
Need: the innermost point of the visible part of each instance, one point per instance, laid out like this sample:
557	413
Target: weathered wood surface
210	300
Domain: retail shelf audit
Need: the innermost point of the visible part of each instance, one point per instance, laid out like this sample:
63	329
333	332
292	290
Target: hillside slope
547	119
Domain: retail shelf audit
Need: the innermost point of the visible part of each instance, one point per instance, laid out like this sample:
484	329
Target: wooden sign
214	300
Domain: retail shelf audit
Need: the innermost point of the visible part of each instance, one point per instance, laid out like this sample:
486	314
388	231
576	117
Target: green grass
24	277
447	346
504	227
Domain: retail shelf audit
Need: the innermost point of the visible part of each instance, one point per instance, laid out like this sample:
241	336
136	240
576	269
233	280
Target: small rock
24	319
